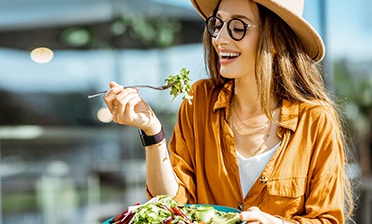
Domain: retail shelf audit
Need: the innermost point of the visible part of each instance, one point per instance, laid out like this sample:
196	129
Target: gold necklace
267	135
265	139
249	133
248	125
256	128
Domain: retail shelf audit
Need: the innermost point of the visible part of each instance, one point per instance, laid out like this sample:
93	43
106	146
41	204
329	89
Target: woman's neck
246	98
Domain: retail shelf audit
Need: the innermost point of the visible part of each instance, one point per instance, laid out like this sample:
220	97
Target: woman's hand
127	107
256	216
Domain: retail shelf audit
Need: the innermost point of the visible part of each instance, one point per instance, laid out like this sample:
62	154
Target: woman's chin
227	75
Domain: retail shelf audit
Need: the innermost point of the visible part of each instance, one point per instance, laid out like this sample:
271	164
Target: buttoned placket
230	144
262	181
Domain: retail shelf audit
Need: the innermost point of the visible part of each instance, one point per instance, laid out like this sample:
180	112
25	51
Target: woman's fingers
112	84
111	94
126	114
122	111
252	215
256	216
127	107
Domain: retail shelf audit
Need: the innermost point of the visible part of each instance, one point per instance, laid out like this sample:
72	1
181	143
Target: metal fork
136	86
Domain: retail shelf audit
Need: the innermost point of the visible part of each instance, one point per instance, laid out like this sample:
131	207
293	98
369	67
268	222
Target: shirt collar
289	114
224	96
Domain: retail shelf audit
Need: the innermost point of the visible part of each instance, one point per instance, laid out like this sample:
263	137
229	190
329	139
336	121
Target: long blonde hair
283	71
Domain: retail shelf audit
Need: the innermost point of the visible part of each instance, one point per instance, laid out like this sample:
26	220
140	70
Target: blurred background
62	159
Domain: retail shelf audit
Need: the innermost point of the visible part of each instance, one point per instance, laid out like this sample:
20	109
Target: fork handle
96	94
133	86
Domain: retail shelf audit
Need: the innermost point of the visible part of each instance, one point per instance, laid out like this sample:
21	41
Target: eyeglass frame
229	31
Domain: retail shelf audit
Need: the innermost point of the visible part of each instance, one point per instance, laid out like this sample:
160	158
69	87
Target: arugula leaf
181	85
156	212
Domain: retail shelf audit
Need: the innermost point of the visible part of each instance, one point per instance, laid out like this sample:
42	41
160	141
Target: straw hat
290	11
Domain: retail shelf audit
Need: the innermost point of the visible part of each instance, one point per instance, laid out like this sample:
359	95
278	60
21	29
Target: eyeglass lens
235	27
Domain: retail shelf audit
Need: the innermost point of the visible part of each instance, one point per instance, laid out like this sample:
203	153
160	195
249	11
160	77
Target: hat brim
309	37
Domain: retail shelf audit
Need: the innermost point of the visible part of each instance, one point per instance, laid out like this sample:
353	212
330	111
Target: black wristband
153	139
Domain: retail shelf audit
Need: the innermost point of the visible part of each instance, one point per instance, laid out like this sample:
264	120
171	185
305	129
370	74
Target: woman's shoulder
312	106
309	111
203	84
316	107
319	112
202	88
205	93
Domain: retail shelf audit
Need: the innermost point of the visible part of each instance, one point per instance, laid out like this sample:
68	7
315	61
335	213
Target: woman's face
237	58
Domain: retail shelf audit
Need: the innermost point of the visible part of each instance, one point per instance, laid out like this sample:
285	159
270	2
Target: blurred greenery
353	88
146	32
19	202
150	31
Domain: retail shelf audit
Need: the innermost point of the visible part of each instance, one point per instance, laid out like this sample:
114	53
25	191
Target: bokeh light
104	115
42	55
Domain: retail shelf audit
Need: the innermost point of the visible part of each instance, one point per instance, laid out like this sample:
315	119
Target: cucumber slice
204	213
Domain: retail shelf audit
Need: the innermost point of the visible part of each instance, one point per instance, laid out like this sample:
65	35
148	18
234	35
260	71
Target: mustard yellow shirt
303	181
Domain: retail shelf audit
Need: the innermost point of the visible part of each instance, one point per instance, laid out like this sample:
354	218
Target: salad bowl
219	208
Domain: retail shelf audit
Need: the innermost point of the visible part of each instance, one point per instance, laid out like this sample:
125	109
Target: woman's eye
218	26
238	30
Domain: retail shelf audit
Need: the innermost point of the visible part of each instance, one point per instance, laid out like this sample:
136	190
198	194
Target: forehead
231	8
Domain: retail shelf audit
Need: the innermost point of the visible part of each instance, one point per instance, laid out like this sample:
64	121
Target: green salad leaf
209	215
150	213
157	211
181	85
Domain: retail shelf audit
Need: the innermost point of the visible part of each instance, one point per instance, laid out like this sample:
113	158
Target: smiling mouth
225	55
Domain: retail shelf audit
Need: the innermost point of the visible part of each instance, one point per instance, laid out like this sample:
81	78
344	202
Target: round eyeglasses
236	28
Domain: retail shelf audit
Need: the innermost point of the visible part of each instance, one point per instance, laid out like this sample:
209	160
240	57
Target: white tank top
251	168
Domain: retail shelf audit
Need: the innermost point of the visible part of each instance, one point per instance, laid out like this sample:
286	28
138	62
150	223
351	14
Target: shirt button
263	180
241	206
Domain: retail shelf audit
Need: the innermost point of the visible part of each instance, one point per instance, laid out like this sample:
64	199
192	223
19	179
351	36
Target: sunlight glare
104	115
42	55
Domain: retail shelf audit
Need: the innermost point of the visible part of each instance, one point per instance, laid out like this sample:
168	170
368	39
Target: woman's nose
223	35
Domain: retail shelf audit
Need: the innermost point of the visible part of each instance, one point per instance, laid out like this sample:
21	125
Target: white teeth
229	54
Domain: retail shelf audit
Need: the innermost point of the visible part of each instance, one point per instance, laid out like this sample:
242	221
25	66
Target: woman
261	134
